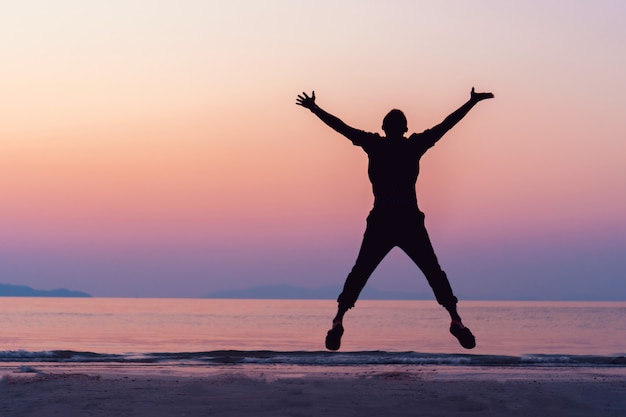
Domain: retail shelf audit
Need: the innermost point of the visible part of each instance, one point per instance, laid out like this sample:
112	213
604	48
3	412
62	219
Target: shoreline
271	390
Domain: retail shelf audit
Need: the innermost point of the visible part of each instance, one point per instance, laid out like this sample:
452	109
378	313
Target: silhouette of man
395	219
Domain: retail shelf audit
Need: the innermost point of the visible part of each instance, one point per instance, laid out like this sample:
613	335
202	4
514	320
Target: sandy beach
312	391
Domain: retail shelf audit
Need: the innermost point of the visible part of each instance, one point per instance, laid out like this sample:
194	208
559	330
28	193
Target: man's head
394	123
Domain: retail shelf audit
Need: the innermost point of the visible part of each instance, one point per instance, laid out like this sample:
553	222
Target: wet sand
363	391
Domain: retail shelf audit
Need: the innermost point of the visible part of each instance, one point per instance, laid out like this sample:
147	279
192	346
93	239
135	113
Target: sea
235	332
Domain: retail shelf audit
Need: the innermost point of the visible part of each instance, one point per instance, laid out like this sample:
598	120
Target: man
395	219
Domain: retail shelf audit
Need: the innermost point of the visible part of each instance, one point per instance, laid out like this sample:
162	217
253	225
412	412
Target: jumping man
395	219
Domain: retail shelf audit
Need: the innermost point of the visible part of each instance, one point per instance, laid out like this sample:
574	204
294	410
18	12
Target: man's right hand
476	97
305	101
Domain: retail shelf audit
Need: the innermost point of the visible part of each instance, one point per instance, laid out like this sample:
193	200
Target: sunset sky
154	148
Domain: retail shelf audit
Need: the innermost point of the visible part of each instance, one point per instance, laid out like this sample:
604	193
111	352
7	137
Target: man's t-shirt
394	165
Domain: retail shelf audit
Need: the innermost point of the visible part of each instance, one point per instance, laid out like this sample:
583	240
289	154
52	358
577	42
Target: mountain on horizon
9	290
284	291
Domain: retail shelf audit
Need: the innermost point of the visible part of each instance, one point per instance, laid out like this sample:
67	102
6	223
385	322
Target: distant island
9	290
283	291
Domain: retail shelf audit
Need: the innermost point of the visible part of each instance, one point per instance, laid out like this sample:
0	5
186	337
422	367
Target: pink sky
160	144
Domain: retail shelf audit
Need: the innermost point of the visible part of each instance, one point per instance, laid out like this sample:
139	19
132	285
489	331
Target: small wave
311	358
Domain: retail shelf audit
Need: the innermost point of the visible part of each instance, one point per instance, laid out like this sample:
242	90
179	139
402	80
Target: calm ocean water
208	331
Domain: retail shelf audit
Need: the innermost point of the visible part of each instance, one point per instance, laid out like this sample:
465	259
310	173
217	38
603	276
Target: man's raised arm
459	113
334	122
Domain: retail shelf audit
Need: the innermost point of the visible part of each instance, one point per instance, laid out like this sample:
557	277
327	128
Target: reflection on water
122	325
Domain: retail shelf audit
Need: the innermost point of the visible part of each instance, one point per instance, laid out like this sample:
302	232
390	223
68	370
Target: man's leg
375	246
370	255
416	244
